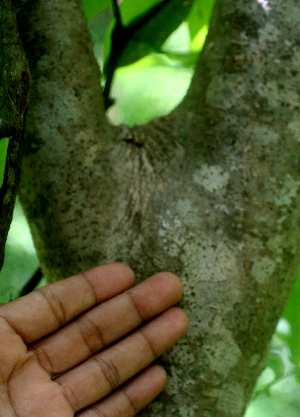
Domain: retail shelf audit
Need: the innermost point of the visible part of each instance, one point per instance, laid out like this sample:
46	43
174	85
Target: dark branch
117	13
14	89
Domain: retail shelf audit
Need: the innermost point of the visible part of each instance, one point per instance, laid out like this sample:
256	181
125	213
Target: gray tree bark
14	90
210	192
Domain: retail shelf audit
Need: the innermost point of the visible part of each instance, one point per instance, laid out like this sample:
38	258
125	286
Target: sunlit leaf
198	41
179	41
200	15
147	89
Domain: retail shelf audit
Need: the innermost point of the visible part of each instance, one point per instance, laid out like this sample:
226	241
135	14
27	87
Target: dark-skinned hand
84	346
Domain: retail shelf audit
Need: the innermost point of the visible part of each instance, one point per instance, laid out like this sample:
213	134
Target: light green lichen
221	349
294	127
262	269
213	178
224	91
262	134
231	399
288	191
189	213
269	33
276	96
209	261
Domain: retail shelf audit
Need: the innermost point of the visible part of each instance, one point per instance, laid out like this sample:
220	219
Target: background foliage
152	83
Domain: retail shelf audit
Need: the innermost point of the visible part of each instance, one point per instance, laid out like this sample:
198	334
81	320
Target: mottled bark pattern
14	89
210	192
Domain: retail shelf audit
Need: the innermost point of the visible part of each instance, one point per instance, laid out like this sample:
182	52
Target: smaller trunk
14	88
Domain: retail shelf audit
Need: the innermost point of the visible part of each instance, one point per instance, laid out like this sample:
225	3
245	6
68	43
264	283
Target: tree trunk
14	88
210	192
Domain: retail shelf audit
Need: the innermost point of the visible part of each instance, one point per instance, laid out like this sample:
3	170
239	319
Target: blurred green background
151	84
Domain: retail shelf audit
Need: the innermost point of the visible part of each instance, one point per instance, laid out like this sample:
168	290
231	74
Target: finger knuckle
109	371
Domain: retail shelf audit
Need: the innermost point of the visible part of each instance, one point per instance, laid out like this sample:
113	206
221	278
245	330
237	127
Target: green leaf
198	21
92	7
292	314
297	373
275	362
3	151
149	88
162	19
200	15
131	9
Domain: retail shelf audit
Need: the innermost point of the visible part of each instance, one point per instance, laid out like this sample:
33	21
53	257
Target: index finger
49	308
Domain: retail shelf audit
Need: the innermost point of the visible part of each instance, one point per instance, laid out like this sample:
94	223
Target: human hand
63	349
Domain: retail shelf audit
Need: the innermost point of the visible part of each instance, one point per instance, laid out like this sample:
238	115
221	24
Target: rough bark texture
210	192
14	88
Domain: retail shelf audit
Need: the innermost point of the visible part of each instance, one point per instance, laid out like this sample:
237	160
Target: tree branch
14	89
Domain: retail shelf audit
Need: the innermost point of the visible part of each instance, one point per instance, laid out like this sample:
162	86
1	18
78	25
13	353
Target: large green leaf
148	88
200	15
93	7
146	33
198	21
131	9
3	151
